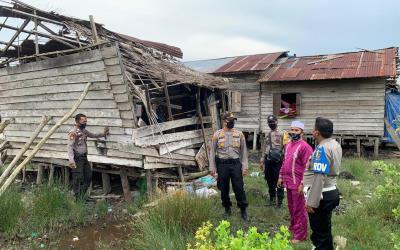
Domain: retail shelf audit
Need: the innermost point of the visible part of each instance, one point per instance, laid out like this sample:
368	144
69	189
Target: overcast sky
221	28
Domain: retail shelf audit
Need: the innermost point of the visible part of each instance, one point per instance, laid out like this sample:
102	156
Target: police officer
77	154
271	161
228	160
323	195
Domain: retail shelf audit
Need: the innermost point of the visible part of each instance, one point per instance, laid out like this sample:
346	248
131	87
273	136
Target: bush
171	224
389	193
222	238
11	209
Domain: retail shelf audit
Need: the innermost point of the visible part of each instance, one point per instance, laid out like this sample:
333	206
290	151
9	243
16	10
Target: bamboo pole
45	120
44	139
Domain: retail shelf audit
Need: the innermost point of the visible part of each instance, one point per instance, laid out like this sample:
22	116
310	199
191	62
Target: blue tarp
392	110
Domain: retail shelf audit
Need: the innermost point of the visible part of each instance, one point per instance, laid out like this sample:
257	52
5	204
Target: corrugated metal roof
237	64
361	64
208	66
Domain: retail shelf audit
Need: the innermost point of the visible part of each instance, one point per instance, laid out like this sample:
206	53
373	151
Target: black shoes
271	203
227	213
243	214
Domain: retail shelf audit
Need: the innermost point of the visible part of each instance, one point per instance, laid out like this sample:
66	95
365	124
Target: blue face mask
294	136
82	125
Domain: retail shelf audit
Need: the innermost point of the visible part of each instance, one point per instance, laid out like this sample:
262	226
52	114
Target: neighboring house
244	90
348	88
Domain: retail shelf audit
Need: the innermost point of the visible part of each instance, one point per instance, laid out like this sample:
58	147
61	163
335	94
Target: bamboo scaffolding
18	169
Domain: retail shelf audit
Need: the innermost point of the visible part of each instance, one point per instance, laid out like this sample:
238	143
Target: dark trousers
321	221
81	175
271	172
231	170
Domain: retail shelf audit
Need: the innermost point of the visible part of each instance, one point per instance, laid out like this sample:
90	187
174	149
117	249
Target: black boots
271	202
227	213
243	214
279	204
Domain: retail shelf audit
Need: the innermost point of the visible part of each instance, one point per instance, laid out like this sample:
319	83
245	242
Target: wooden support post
39	176
170	117
223	101
36	35
125	185
255	140
106	183
94	30
66	176
181	176
376	147
24	175
148	102
358	147
200	115
51	175
149	183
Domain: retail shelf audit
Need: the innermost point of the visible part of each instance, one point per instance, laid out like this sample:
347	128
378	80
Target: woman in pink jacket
297	154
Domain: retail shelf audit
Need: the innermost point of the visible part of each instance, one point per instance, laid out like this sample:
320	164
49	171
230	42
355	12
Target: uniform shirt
297	154
278	137
228	145
332	151
77	142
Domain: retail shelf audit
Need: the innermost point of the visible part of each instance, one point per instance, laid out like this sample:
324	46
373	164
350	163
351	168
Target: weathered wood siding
356	107
52	86
249	116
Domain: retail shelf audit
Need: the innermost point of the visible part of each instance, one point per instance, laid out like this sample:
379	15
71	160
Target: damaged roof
142	59
237	64
361	64
168	49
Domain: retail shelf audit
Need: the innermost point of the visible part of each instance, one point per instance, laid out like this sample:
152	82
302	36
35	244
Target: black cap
272	118
229	116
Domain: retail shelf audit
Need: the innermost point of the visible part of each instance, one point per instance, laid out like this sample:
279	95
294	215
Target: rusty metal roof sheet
361	64
249	63
237	64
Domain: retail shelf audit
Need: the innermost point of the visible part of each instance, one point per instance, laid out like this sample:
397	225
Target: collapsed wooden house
244	93
348	88
159	112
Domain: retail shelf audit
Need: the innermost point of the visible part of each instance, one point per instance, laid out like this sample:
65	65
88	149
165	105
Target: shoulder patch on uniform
71	135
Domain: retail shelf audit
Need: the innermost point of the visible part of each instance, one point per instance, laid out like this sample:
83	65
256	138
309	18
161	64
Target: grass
45	209
364	219
172	223
11	209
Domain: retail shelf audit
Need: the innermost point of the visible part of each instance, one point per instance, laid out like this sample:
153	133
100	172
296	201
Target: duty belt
228	161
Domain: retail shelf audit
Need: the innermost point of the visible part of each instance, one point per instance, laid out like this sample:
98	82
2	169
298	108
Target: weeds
171	224
11	209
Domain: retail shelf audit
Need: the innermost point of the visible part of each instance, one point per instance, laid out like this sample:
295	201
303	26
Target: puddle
92	236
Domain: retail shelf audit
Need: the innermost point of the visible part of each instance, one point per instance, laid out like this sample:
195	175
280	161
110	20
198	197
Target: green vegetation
368	216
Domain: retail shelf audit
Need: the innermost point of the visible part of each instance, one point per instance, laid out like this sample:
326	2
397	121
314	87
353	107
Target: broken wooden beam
156	129
170	147
166	138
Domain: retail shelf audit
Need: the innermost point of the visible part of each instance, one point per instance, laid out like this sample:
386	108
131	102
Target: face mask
230	124
82	126
272	126
295	137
